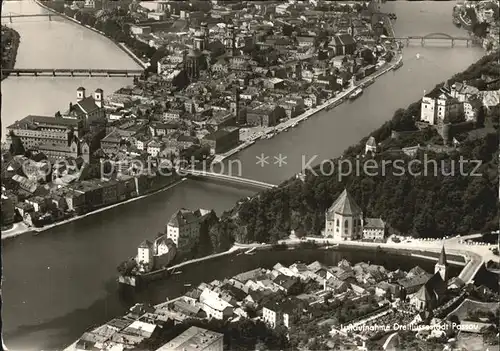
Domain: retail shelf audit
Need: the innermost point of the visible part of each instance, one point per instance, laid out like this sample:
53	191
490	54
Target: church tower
442	266
191	64
206	33
230	41
199	40
235	106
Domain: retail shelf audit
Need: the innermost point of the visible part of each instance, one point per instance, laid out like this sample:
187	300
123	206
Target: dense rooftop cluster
314	306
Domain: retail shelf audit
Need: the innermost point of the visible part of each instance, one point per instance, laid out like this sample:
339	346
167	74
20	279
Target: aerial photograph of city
209	175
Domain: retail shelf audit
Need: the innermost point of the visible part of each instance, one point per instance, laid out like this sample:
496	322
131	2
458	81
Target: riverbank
122	46
459	255
24	229
293	250
328	104
12	38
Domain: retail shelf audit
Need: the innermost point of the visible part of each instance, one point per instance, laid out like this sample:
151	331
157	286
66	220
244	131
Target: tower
344	219
191	64
235	105
441	266
99	97
445	131
206	33
85	152
80	94
298	71
199	40
230	40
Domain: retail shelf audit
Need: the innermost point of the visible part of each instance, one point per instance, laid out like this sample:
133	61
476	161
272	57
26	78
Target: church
344	221
431	294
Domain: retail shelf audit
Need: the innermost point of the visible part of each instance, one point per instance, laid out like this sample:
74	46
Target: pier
73	72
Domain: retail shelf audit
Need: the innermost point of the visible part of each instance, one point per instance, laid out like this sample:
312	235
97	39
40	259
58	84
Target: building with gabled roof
184	225
430	295
374	228
195	339
344	219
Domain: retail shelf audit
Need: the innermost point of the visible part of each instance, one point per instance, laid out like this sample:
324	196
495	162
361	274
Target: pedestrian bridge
73	72
225	177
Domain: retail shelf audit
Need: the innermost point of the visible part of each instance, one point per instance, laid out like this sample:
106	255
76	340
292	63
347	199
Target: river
61	282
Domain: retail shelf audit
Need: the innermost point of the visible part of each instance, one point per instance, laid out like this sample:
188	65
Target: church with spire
432	293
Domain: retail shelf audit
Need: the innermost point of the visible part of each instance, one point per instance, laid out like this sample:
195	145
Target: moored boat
398	65
369	82
356	94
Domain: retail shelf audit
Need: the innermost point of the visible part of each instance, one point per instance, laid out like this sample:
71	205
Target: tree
480	29
16	145
287	30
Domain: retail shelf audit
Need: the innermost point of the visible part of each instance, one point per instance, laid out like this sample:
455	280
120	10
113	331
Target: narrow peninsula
10	43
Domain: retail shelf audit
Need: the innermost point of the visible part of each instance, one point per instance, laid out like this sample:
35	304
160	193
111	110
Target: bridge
73	72
12	15
225	177
432	37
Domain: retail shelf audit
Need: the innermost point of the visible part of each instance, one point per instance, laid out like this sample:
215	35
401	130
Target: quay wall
38	231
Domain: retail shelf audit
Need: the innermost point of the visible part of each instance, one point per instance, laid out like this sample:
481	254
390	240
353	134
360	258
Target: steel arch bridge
438	36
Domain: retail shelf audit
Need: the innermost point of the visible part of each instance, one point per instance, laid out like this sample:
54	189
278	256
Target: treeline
434	205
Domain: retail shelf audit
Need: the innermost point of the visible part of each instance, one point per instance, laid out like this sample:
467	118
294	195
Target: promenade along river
61	282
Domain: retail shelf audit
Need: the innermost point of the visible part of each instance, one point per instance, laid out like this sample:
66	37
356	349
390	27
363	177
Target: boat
400	63
356	94
369	82
187	285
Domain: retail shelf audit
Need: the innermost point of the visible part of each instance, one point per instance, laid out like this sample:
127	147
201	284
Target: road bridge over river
433	37
225	177
11	16
73	72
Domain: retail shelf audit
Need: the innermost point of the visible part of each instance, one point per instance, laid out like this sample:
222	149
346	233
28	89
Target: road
475	255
